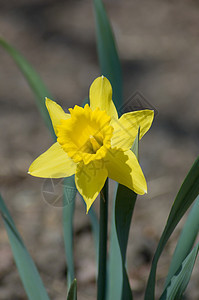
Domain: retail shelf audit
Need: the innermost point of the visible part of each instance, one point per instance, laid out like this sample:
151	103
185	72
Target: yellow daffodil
93	143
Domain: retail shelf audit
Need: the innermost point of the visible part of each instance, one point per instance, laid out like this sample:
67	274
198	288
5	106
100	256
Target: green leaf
180	280
72	295
115	268
68	215
107	52
186	240
27	270
185	197
124	206
95	228
33	80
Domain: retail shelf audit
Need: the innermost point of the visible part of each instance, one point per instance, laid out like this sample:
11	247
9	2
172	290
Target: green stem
101	281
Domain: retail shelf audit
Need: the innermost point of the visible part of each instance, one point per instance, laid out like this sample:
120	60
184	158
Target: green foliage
124	206
180	280
186	240
95	228
68	215
72	294
115	266
185	197
28	272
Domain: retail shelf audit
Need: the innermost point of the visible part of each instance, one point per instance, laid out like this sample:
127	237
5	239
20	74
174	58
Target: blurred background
158	44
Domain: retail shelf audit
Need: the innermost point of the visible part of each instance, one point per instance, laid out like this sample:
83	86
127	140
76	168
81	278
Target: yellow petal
124	168
90	180
101	96
126	128
54	163
56	113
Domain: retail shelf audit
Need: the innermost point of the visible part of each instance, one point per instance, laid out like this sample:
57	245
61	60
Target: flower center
95	143
85	136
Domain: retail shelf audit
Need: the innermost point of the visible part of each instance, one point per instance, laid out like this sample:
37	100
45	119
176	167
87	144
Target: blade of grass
107	52
67	220
27	270
34	81
185	197
115	269
72	294
125	202
178	283
186	240
95	229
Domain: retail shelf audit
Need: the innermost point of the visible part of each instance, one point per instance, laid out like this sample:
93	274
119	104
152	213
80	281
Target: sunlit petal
126	128
56	113
90	180
101	96
54	163
124	168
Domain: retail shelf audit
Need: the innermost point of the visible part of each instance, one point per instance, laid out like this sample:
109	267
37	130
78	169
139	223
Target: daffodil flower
93	143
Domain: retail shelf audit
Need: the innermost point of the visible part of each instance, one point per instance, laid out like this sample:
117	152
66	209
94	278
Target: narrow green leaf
115	269
107	52
125	202
34	80
186	240
68	215
27	270
185	197
95	229
72	294
180	280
